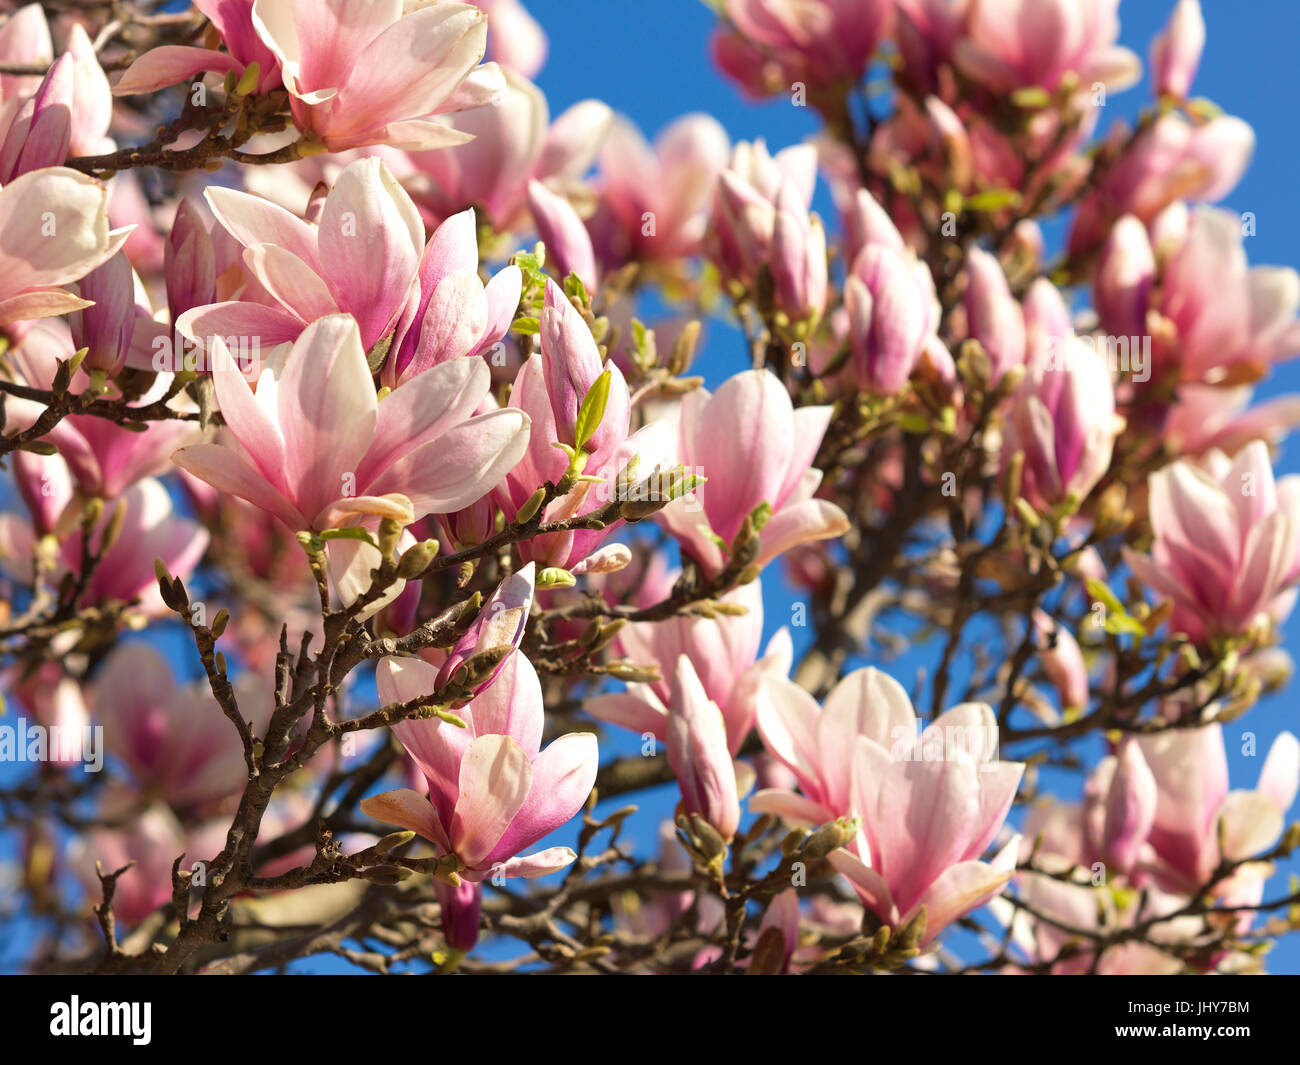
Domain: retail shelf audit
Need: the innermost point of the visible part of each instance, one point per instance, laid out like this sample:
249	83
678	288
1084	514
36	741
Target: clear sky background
651	62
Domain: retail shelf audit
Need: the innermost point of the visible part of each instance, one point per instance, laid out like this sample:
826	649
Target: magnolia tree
369	559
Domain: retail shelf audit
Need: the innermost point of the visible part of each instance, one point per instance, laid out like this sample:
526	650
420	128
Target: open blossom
930	801
753	447
724	652
365	72
1073	905
317	448
770	46
1152	816
493	791
361	258
174	738
514	142
450	313
1191	797
34	267
1227	542
654	200
1211	316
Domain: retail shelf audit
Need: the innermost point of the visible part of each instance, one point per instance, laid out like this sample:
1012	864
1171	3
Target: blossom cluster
359	501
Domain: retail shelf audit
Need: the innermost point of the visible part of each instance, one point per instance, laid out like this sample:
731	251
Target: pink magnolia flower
512	145
773	46
174	738
492	790
92	100
724	652
1190	768
55	700
190	266
1210	315
1171	160
1009	44
460	909
656	915
450	313
317	449
500	623
1176	50
1062	661
698	754
1227	542
1206	417
1097	909
753	447
654	201
550	388
149	531
760	216
105	329
365	72
1121	799
515	40
53	230
171	64
893	312
926	32
1062	416
24	39
993	316
568	244
930	801
362	258
782	913
41	130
